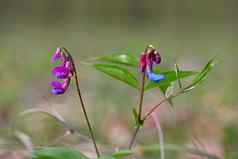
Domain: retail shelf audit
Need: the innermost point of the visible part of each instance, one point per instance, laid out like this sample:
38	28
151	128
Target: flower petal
57	55
157	59
57	91
56	84
155	77
57	88
61	72
142	64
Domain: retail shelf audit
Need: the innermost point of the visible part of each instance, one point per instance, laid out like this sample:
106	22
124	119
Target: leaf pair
119	66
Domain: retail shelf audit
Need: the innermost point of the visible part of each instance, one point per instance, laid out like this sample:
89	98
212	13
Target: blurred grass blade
170	90
122	154
25	140
52	114
179	148
177	72
170	76
163	89
202	75
118	73
57	153
107	157
124	59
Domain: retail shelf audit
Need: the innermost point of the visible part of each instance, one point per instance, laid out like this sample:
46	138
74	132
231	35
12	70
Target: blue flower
154	77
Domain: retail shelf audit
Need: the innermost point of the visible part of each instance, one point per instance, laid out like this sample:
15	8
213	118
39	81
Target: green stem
140	110
134	137
141	95
148	115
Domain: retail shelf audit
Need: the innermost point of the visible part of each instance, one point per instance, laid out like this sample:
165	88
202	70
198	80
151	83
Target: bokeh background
187	32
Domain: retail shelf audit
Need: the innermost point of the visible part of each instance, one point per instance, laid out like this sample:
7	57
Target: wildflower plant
140	73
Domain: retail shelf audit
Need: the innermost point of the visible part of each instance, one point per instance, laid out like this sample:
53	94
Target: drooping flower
148	59
64	72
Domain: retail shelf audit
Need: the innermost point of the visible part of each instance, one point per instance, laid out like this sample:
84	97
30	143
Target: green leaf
124	59
106	157
202	75
57	153
122	153
170	76
118	73
135	115
138	121
177	72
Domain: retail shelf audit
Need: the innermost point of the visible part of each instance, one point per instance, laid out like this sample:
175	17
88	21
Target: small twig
134	137
161	102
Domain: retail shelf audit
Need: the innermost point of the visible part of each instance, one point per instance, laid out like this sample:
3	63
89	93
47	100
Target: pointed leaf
57	153
107	157
138	121
177	72
122	154
202	75
124	59
170	76
118	73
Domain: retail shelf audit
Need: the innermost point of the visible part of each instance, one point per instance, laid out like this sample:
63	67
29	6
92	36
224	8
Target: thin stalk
148	114
141	95
134	137
157	105
82	104
86	116
140	110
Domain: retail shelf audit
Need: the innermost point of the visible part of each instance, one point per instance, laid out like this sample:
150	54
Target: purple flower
58	87
61	72
64	72
147	60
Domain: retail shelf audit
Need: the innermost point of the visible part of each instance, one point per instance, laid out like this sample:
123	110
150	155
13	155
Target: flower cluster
63	72
149	58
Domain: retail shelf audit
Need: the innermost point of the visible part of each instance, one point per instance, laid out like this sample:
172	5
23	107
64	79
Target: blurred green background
187	32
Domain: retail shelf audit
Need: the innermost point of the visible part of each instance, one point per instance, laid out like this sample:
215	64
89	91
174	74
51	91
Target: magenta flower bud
157	57
150	59
147	60
57	55
142	64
